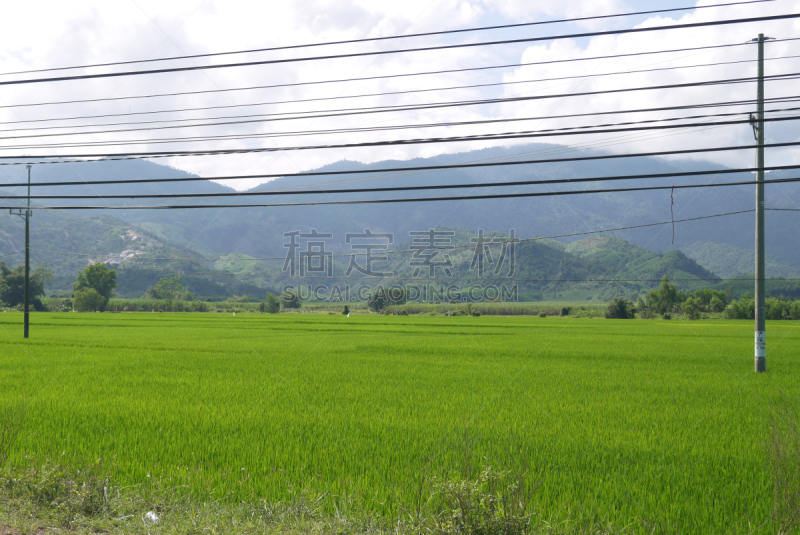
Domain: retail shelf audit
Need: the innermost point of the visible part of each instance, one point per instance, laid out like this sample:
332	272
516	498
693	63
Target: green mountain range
212	245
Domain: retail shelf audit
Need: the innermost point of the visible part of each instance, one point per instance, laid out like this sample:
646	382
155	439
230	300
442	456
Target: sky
64	34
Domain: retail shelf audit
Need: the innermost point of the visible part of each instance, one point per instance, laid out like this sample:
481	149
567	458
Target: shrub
565	311
691	308
99	278
543	314
707	295
620	308
663	299
716	304
346	310
72	493
742	309
272	306
289	299
383	297
490	505
783	452
38	306
88	300
12	284
170	290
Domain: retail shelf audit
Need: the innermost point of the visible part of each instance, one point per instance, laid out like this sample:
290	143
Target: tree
89	300
383	297
691	307
12	289
168	289
716	304
272	306
289	299
346	310
99	278
664	298
620	308
707	296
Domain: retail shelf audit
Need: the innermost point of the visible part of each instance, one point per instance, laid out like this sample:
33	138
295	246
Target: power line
424	141
396	251
400	51
374	39
442	280
383	77
341	112
360	130
383	94
408	188
362	171
416	199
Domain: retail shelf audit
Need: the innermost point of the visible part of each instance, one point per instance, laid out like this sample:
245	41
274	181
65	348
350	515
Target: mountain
719	243
599	267
730	261
259	231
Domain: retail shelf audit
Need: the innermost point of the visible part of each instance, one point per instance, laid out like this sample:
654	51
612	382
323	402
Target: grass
162	305
586	309
638	424
530	308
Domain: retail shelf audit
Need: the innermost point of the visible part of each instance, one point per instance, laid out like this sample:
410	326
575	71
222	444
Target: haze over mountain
719	244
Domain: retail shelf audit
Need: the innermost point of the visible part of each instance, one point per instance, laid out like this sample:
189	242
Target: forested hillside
718	245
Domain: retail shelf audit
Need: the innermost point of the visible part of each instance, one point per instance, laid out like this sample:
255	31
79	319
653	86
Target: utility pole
27	309
27	217
758	127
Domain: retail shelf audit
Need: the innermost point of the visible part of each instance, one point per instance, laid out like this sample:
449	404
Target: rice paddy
625	421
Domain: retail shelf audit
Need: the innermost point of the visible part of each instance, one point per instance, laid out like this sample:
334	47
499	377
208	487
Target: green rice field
662	422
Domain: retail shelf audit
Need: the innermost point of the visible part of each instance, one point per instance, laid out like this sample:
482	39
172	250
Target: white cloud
87	32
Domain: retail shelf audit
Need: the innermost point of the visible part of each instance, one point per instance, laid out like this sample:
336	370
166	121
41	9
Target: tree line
667	300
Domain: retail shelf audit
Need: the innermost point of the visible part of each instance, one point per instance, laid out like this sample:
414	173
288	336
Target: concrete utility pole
27	217
758	126
27	258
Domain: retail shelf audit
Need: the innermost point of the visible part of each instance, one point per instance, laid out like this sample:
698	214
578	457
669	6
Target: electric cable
371	129
373	39
361	171
382	77
413	199
406	188
402	50
383	94
401	251
342	112
423	141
